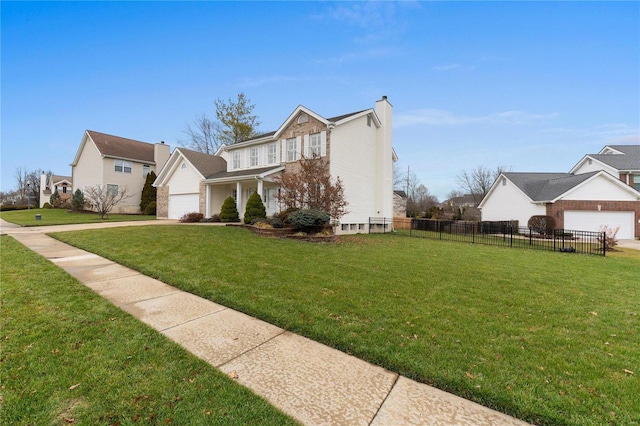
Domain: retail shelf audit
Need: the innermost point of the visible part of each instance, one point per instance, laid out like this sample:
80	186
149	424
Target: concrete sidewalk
313	383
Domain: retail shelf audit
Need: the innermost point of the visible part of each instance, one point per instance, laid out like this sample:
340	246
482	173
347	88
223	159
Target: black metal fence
508	234
380	225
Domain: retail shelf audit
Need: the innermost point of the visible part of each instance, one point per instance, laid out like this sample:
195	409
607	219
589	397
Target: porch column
207	201
260	189
239	197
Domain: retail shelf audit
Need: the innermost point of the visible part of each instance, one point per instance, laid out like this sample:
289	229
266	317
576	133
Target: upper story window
122	166
271	153
235	163
291	149
315	145
636	182
253	156
146	169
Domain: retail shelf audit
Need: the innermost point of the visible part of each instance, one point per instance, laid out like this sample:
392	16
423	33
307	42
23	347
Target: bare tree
21	175
478	181
419	200
103	200
236	122
311	187
399	177
202	134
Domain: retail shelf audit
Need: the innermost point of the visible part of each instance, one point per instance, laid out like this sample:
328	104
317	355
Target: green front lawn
71	357
64	217
551	338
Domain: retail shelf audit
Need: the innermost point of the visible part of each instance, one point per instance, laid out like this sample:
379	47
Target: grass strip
64	217
70	357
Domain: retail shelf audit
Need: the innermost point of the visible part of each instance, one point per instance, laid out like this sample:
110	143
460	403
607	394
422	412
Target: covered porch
240	186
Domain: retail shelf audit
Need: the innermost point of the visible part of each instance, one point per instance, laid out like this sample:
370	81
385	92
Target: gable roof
55	179
117	147
337	120
204	164
624	158
540	187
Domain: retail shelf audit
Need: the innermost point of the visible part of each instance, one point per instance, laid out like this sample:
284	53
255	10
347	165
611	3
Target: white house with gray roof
358	147
599	190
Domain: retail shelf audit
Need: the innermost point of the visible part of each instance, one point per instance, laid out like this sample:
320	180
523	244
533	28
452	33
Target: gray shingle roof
206	164
115	146
547	186
628	161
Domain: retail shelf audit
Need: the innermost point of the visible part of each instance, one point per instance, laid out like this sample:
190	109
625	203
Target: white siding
585	167
353	156
509	203
184	180
599	188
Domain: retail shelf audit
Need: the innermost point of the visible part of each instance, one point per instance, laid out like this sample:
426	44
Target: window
184	166
122	166
636	182
269	197
253	156
236	160
291	149
64	188
234	194
271	153
146	169
112	189
315	145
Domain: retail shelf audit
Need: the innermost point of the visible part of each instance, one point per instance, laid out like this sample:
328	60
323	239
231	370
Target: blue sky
528	85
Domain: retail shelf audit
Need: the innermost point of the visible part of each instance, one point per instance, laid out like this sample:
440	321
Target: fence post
440	228
511	231
604	243
530	237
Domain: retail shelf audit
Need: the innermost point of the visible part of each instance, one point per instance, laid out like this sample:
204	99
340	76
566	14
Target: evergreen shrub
255	208
229	212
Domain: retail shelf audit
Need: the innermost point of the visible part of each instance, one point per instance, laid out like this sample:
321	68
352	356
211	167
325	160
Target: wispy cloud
611	133
452	67
438	117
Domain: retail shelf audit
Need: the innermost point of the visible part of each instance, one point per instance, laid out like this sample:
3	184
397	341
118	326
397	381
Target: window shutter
307	153
298	146
283	150
323	144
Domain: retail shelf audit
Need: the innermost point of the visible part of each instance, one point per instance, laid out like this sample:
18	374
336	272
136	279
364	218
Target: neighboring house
180	182
62	184
399	204
622	161
581	202
358	147
116	163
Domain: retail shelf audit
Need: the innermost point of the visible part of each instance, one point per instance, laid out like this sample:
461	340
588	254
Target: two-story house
117	164
357	146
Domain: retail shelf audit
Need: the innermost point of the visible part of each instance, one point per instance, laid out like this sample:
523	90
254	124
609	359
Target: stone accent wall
558	208
202	199
306	128
162	202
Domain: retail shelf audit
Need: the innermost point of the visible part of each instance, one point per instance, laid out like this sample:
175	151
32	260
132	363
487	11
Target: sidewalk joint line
195	319
219	366
395	382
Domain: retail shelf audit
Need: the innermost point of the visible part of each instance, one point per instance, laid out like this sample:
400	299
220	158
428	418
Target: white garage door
592	221
179	204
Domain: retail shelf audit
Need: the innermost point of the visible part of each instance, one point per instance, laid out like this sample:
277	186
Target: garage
179	204
593	220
